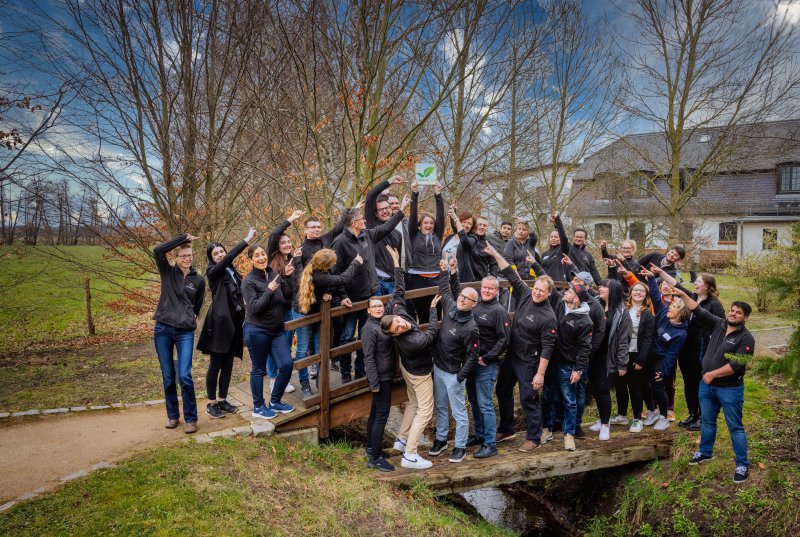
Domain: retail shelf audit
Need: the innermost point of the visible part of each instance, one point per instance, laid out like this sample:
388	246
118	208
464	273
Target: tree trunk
88	300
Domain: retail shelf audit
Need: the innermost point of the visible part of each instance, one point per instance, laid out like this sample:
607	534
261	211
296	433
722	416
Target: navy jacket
181	295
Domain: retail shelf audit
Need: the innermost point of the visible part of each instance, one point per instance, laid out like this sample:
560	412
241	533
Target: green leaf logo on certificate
426	173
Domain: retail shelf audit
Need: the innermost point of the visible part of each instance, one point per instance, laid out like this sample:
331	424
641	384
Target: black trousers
637	384
659	387
691	369
600	381
219	366
378	415
513	371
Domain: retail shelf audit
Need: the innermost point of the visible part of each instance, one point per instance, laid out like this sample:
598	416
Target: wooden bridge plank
548	461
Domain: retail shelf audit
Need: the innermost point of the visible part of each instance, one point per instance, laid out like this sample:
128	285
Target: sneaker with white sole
547	435
595	426
699	458
399	445
636	426
569	442
619	420
438	447
283	408
741	473
414	461
289	388
605	432
264	413
652	417
661	424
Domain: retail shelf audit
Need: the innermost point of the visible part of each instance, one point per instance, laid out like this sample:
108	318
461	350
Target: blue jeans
480	387
302	346
559	392
448	394
731	400
386	287
261	342
165	338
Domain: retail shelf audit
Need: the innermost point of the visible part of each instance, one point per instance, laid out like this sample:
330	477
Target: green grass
239	487
42	295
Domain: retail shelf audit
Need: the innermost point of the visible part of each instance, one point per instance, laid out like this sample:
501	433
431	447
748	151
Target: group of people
630	330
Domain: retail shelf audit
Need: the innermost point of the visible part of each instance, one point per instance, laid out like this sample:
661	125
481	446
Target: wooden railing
323	357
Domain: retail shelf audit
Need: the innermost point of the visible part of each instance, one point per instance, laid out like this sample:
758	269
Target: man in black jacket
493	330
357	240
667	263
531	342
378	210
582	259
723	381
455	357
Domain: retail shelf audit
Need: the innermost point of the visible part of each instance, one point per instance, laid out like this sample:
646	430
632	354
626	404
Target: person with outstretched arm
416	364
425	232
517	248
378	210
221	337
582	259
454	358
723	381
179	303
531	342
667	262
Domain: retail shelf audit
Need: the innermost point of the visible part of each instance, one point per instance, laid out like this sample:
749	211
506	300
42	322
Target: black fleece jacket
574	342
263	305
312	246
457	345
181	295
657	258
740	341
426	250
582	259
474	248
383	261
379	359
493	323
516	253
552	265
533	332
347	246
333	284
415	346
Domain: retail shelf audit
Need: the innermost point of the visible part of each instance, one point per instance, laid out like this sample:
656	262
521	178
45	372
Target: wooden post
88	300
324	370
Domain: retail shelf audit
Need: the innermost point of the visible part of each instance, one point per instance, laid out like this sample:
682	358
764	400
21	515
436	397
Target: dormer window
789	177
704	138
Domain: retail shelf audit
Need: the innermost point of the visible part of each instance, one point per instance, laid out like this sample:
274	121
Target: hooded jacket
222	328
493	324
457	345
379	358
415	346
574	342
347	246
181	295
582	259
474	248
264	307
516	252
618	327
552	265
670	338
426	250
533	331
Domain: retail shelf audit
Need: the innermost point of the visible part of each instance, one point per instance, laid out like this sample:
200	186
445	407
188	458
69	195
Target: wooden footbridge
337	404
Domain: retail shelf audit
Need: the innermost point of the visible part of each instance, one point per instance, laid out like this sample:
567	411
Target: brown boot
190	428
171	424
529	446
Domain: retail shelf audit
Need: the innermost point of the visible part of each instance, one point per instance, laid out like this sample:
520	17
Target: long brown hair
279	261
323	260
646	303
711	284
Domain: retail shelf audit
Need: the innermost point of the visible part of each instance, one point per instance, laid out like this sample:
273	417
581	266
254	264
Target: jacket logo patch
730	340
483	316
453	331
529	317
571	323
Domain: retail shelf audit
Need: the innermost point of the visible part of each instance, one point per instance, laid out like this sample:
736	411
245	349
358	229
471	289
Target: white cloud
789	11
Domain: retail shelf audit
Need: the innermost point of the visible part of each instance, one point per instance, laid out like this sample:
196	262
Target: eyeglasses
465	297
376	305
185	256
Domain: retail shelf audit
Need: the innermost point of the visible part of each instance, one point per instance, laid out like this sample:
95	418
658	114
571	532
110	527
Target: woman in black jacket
425	233
221	337
636	383
266	293
182	293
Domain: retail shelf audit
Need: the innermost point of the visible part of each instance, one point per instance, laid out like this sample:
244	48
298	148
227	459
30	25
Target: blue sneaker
283	408
264	412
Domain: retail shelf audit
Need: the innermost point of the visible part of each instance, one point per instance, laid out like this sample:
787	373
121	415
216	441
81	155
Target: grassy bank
239	487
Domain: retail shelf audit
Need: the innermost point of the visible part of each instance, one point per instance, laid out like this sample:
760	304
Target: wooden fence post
324	370
88	300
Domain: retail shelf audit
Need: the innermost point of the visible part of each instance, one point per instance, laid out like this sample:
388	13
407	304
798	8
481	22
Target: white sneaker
547	435
415	462
605	432
289	388
652	417
595	426
399	445
661	424
619	420
636	426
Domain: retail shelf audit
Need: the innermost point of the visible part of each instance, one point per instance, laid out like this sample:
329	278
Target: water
520	513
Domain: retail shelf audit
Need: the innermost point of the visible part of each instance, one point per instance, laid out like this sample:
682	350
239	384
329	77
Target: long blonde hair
323	260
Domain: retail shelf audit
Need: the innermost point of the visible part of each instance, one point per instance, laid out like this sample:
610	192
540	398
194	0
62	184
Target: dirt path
39	451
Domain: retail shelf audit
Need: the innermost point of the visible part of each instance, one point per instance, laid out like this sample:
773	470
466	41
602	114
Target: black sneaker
225	406
699	458
473	441
306	388
368	453
741	473
213	410
438	447
360	375
346	378
695	426
458	454
485	452
579	432
380	464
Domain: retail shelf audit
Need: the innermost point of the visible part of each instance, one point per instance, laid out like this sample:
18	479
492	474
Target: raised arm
413	215
371	203
438	227
275	237
444	286
164	248
217	270
562	235
380	231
